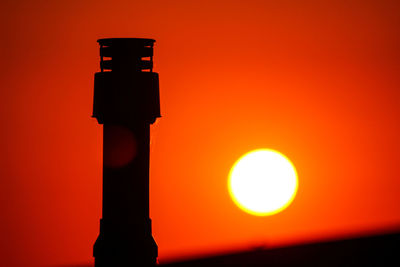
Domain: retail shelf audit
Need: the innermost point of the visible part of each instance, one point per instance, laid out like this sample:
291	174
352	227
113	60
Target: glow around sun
263	182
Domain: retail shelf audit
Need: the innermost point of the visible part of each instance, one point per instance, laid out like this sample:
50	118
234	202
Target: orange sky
316	80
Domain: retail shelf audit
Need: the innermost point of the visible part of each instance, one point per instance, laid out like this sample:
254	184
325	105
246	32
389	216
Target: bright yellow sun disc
263	182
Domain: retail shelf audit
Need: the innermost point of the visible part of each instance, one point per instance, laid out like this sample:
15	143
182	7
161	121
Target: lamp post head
126	88
126	54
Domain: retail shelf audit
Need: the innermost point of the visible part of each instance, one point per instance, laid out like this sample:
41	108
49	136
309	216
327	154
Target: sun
263	182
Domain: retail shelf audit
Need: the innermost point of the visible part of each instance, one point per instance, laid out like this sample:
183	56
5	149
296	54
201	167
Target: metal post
126	102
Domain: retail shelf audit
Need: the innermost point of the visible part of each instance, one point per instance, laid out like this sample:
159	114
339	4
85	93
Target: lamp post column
126	102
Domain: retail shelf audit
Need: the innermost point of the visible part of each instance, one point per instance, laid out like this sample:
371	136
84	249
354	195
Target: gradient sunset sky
318	81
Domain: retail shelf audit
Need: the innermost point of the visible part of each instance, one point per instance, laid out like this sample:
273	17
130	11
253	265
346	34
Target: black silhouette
374	250
126	102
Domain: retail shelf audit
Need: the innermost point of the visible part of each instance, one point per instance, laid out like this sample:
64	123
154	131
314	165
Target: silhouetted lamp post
126	102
